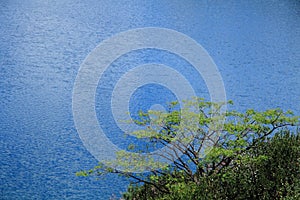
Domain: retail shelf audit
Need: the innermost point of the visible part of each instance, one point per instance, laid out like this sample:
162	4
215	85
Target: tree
202	143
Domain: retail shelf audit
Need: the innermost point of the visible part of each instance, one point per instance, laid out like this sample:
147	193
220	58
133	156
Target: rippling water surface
256	46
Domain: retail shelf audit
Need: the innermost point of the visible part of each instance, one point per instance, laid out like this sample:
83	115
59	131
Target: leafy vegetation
212	154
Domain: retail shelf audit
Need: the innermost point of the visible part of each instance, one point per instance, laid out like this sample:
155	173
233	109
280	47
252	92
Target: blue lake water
255	45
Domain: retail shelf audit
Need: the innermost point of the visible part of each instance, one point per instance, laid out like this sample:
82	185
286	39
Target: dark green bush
270	170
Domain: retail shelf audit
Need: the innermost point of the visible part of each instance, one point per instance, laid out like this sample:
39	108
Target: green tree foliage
225	155
271	170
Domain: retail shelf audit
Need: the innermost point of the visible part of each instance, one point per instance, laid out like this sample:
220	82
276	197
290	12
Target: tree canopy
210	153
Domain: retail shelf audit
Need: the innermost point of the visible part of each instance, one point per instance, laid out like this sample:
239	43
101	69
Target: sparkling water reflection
42	44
